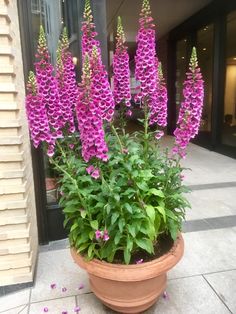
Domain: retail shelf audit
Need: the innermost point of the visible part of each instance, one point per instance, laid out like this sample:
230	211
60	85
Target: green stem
72	179
145	131
117	136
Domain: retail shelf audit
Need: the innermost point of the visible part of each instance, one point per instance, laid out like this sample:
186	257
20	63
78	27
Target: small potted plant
122	196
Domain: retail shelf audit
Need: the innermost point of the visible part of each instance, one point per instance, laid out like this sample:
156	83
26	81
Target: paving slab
189	296
89	304
17	310
14	300
224	285
211	203
207	252
56	306
58	267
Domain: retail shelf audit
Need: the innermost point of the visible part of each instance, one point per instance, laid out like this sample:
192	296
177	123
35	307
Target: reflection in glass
205	58
181	67
229	124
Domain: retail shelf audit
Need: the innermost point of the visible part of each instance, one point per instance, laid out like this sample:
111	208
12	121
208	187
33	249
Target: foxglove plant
36	113
48	88
120	203
191	108
67	86
121	68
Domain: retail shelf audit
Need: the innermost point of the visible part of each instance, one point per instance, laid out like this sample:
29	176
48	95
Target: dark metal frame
216	12
37	154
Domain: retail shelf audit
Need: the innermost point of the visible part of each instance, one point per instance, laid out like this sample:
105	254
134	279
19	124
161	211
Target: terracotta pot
130	288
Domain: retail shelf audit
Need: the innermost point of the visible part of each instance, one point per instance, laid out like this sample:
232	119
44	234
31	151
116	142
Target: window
205	58
229	123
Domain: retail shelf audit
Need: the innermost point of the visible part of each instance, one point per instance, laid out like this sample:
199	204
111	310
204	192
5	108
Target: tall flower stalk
191	108
67	85
36	113
48	88
146	60
90	124
158	113
91	46
121	68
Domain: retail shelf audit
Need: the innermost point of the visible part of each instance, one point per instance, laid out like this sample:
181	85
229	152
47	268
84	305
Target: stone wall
18	226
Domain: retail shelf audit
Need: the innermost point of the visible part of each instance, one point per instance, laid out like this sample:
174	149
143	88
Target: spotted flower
191	108
121	68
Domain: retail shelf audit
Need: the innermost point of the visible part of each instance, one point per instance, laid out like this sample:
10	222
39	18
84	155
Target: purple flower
77	309
89	121
125	151
48	88
95	174
64	312
90	169
102	93
81	286
71	146
53	285
67	85
129	113
36	114
105	236
45	309
191	108
121	68
63	289
159	134
165	295
140	261
98	234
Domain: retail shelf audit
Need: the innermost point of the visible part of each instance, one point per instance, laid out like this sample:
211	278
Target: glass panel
229	124
205	57
181	67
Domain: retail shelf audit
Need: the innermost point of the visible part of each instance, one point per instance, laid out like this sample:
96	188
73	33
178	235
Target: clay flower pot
130	288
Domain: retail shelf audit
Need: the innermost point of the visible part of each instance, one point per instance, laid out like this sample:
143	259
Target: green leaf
74	226
127	256
145	244
162	212
117	238
156	192
90	250
129	244
171	215
121	224
83	213
131	229
91	235
117	197
142	186
128	207
114	217
83	247
150	212
94	224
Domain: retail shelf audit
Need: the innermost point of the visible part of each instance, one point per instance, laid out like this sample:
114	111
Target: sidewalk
203	282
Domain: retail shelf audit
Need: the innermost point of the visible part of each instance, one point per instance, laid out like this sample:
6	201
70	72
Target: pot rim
133	272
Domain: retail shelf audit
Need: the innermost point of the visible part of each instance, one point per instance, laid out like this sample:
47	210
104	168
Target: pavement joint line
58	298
222	301
203	274
207	186
15	307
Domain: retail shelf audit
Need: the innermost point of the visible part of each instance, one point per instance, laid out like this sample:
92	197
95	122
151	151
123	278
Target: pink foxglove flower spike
36	113
47	86
191	108
67	85
121	68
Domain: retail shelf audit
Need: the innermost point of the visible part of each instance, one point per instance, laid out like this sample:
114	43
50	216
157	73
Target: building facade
29	210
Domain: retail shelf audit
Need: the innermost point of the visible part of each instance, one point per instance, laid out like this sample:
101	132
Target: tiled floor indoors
203	282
